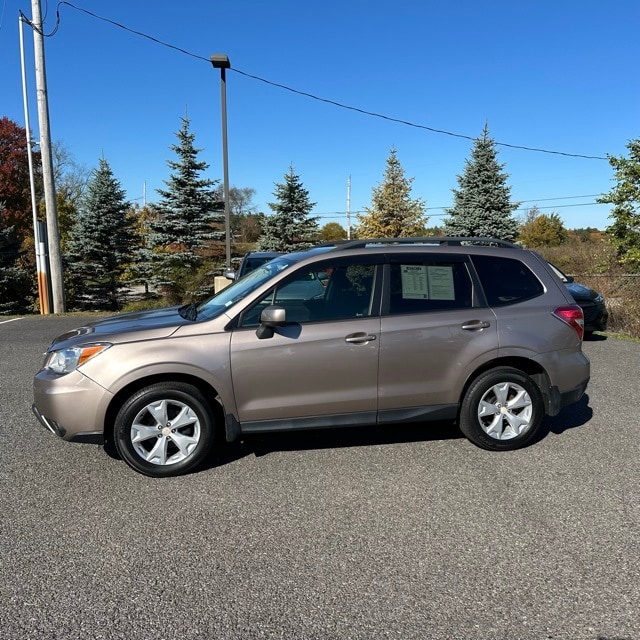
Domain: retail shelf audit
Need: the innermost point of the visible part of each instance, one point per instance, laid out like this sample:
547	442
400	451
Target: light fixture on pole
221	61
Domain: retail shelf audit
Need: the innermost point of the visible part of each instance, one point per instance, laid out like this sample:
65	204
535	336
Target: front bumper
58	430
72	407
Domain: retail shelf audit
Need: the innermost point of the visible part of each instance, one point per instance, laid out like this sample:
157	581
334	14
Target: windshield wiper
189	311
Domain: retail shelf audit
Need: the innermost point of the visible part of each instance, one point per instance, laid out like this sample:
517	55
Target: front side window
505	280
319	293
234	293
421	286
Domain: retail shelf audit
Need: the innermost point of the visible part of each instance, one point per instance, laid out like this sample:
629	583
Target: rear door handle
359	338
475	325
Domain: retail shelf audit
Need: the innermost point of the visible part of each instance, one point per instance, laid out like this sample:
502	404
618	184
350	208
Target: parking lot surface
395	533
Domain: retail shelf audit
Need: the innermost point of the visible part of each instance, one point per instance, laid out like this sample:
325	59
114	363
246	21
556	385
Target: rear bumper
596	317
557	401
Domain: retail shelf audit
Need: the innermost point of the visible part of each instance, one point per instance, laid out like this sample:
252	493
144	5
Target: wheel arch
210	394
533	369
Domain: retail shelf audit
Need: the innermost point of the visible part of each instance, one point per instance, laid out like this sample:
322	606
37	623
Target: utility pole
349	208
55	260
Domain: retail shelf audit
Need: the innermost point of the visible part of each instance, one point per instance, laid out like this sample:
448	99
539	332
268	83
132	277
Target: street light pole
221	61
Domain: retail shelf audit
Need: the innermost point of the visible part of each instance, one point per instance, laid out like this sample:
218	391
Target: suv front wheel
502	409
165	429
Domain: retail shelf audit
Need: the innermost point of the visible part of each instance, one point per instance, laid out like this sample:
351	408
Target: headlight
67	360
599	298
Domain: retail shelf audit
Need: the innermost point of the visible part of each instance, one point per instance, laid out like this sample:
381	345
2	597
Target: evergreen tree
14	282
482	205
186	216
140	269
393	212
625	198
100	242
290	228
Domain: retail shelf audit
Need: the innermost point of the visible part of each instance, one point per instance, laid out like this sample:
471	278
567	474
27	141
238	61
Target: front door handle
359	338
475	325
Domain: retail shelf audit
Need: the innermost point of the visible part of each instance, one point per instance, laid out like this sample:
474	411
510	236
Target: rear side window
505	280
422	286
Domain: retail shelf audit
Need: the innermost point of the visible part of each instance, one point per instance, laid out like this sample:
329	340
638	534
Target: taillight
573	316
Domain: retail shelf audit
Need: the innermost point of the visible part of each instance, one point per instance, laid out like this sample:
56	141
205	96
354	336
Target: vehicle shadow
595	337
260	445
263	444
570	417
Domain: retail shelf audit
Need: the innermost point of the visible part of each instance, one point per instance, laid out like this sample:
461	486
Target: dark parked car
251	261
591	302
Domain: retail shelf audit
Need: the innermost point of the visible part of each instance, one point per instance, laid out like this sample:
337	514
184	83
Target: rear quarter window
506	280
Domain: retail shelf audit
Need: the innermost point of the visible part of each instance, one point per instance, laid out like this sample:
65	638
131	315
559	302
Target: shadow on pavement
263	444
570	417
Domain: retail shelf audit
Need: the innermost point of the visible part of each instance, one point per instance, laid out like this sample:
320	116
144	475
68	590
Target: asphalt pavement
395	533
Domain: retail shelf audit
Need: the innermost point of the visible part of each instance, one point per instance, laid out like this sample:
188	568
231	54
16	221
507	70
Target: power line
413	124
340	214
311	95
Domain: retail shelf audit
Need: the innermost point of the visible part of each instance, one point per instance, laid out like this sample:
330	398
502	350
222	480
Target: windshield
225	299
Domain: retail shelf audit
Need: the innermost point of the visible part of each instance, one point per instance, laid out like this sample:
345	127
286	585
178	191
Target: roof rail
454	241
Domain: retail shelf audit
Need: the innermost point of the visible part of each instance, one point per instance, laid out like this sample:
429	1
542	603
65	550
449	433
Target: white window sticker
421	282
441	283
415	284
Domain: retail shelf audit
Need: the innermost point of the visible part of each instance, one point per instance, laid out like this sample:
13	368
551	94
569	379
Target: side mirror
569	279
271	317
230	274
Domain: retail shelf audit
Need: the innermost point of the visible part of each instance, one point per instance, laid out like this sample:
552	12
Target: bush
583	258
624	316
145	304
594	264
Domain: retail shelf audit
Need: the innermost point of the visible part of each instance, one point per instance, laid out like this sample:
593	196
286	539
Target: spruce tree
625	198
482	204
290	227
140	270
393	212
186	218
14	282
100	242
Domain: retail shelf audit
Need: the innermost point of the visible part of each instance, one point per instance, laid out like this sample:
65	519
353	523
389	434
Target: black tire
502	410
166	429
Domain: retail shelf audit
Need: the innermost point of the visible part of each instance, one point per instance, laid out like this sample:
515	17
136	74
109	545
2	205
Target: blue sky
558	75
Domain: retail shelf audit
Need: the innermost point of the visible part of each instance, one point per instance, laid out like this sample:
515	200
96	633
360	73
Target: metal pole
41	263
225	163
349	208
55	260
221	61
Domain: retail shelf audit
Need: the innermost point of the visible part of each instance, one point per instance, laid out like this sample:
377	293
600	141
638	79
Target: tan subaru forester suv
479	332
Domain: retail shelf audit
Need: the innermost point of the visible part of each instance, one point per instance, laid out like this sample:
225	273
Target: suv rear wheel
502	409
165	429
